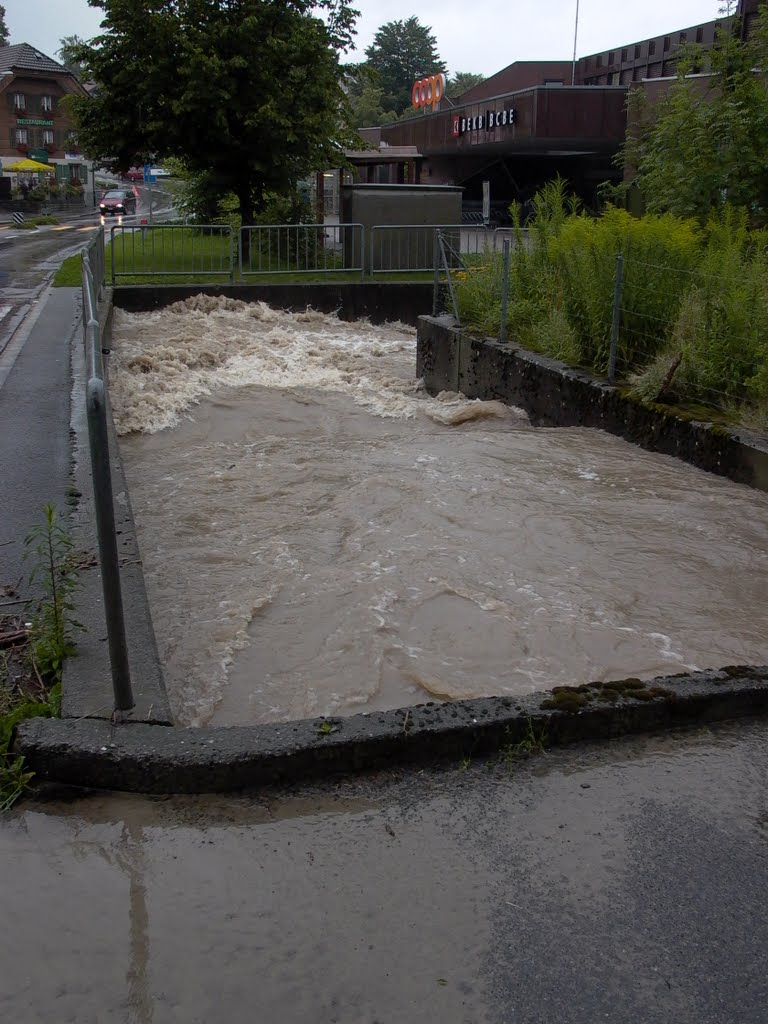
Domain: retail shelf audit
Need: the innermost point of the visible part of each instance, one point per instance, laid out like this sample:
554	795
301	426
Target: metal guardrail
301	249
172	250
95	251
98	437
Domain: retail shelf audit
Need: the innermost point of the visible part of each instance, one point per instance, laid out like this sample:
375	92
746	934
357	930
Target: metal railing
98	437
192	252
172	250
301	249
410	248
95	251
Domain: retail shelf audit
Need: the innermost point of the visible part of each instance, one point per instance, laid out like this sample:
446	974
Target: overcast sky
472	35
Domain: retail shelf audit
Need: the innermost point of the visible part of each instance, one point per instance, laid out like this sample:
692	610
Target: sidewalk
35	450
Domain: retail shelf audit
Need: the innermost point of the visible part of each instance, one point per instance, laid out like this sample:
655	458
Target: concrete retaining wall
554	394
378	302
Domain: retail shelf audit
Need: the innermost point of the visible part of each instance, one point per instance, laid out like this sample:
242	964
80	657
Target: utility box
399	223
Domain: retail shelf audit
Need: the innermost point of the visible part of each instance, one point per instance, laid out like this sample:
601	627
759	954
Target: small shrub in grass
554	336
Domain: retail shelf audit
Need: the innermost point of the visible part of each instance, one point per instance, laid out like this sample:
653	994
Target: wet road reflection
622	883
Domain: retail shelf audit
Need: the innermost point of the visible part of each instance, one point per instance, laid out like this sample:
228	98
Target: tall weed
694	299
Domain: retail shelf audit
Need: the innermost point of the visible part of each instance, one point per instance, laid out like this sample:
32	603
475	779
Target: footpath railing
98	437
301	249
215	251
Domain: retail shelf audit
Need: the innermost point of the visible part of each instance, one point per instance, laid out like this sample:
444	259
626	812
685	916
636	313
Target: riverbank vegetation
36	635
693	310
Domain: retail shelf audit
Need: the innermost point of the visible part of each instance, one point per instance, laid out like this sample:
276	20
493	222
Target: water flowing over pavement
321	537
623	884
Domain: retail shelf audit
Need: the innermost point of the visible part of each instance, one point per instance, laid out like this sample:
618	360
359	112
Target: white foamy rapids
163	362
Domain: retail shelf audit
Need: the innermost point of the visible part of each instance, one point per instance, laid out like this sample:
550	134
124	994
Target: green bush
694	305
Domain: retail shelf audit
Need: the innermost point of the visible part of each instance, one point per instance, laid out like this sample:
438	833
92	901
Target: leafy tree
244	92
4	36
401	52
462	82
70	46
703	145
365	96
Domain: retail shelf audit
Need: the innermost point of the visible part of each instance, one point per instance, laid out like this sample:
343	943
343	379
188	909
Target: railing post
436	279
105	523
504	291
616	319
98	437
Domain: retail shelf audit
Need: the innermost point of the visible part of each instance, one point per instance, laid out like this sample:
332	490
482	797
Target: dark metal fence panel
172	250
301	249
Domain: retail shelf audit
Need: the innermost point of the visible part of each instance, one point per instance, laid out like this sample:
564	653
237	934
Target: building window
21	136
700	34
638	51
611	56
19	101
623	56
636	74
599	60
651	47
683	37
667	43
46	103
47	137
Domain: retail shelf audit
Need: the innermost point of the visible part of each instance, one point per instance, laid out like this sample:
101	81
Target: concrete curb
153	759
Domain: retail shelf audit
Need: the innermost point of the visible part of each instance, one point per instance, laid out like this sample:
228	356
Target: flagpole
575	43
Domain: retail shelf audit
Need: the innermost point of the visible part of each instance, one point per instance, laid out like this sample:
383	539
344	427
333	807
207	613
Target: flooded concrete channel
320	536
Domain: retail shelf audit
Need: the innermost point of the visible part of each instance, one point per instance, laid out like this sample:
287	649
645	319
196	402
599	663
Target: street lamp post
575	43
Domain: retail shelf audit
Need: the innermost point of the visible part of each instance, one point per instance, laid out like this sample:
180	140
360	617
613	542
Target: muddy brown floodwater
320	536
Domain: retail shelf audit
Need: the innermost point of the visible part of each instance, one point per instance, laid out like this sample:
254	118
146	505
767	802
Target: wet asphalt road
624	883
28	261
